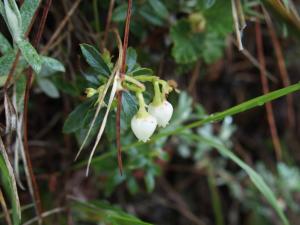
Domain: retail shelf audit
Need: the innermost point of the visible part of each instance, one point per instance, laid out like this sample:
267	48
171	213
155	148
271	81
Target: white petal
162	113
144	127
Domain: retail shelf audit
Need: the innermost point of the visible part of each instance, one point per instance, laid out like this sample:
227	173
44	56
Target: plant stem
36	194
157	94
119	94
96	15
108	21
142	106
265	87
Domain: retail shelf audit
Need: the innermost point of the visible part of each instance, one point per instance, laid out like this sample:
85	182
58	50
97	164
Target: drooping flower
162	112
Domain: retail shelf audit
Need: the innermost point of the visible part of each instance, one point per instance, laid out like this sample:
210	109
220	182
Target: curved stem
142	106
157	100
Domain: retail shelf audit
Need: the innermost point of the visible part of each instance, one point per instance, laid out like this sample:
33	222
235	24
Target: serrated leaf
48	87
30	54
27	12
6	62
8	182
94	59
5	46
159	7
213	48
219	18
187	46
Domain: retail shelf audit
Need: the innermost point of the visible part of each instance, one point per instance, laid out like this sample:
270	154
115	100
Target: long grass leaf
8	182
256	179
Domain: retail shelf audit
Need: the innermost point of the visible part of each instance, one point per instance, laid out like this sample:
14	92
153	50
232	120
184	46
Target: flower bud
162	112
143	126
90	92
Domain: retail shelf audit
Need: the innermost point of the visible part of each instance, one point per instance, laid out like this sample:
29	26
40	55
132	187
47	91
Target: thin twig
282	68
236	25
265	86
61	26
45	214
119	94
108	21
254	62
29	77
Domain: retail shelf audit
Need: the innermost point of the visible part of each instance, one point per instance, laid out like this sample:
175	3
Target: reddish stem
25	118
119	94
265	86
282	70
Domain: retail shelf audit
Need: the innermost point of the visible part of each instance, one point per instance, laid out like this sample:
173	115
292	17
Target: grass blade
8	182
254	176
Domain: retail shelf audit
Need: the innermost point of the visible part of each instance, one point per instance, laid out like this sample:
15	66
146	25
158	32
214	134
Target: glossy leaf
129	105
75	120
94	59
131	59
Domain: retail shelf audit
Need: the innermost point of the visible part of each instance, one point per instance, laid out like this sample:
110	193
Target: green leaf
94	59
20	90
187	45
8	182
103	212
30	54
149	181
219	18
132	185
48	87
148	13
119	14
27	12
254	176
6	62
129	105
51	66
4	45
131	59
141	71
213	48
75	120
159	7
2	9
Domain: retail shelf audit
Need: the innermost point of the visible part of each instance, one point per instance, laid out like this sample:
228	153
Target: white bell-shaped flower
143	126
162	112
